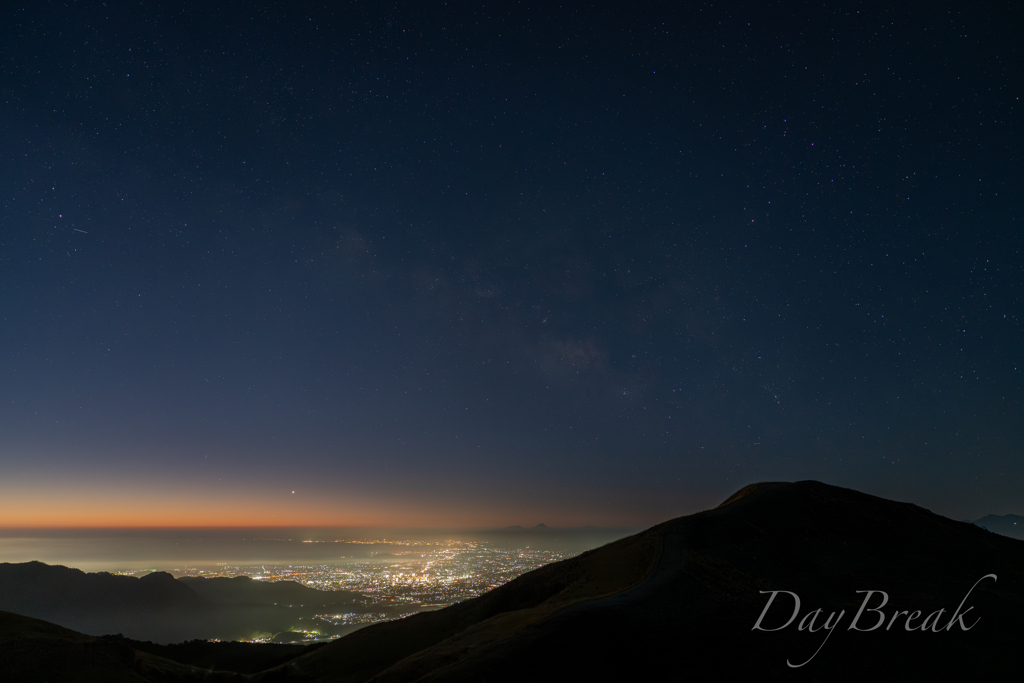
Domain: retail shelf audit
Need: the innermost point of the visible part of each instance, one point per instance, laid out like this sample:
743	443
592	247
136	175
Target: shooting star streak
77	230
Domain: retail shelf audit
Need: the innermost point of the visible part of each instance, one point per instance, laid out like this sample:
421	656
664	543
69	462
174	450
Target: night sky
497	263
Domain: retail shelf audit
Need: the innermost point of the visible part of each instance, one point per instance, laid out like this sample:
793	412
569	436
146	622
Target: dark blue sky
498	263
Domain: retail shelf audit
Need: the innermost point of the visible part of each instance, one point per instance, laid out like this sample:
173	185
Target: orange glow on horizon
164	514
167	503
75	509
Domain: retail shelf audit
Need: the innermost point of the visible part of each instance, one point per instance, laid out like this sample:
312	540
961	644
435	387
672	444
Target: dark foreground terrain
680	600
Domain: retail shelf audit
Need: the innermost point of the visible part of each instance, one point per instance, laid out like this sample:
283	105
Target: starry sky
489	263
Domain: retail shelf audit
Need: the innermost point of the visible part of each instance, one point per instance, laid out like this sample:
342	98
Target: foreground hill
245	590
1007	525
479	623
605	614
681	600
35	650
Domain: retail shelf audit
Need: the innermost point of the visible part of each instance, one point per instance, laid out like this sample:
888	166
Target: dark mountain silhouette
542	526
486	619
44	589
35	650
160	608
1007	525
245	590
155	606
681	599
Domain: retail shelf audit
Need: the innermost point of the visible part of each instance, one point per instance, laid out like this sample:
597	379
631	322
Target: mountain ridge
704	590
157	607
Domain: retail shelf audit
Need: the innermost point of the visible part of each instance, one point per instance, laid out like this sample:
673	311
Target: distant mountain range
35	650
679	601
1007	525
160	608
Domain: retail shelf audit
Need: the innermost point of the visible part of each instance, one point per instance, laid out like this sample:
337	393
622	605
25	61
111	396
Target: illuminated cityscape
413	576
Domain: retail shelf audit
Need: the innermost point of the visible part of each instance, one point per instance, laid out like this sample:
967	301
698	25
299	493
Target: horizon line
212	527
